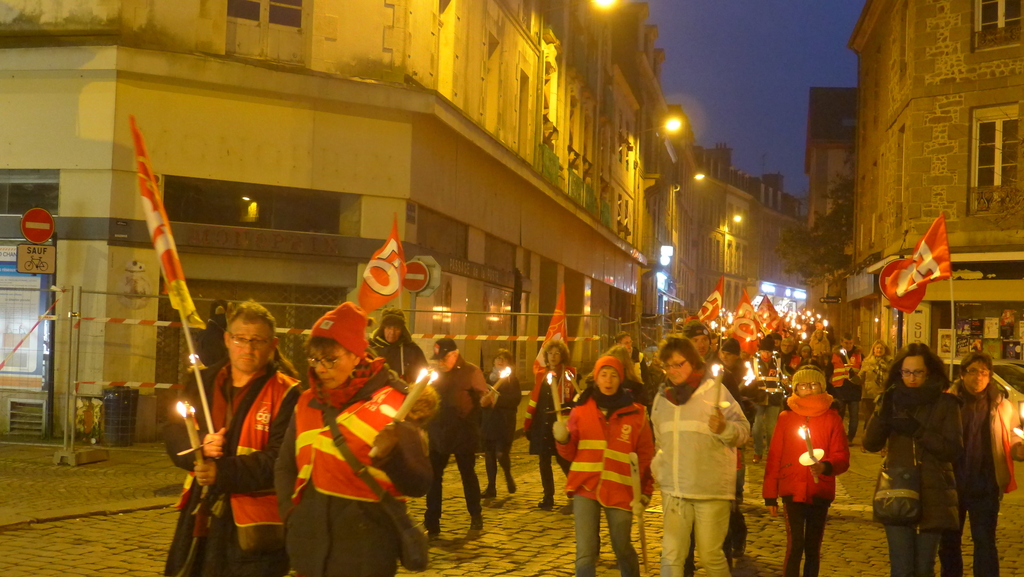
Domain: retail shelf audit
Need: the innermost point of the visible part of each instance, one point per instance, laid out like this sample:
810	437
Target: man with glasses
230	496
985	470
456	431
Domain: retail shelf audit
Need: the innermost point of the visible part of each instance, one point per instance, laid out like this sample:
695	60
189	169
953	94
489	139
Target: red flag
767	314
160	232
712	307
903	281
384	274
557	331
744	325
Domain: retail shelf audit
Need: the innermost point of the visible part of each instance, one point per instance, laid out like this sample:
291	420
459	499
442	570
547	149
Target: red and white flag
712	307
160	232
767	314
744	325
384	274
903	281
557	331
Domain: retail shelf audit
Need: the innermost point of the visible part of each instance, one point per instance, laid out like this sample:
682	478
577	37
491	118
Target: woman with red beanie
806	491
604	427
335	521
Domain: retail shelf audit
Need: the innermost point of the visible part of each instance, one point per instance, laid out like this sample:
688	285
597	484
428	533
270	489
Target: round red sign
416	276
37	225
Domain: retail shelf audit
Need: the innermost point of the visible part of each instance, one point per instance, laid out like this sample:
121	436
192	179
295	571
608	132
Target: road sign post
37	258
422	276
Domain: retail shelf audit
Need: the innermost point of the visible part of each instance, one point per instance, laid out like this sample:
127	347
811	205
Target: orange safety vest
601	464
842	367
318	458
260	507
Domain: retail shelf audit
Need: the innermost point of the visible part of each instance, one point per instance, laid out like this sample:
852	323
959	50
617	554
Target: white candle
188	412
556	396
806	434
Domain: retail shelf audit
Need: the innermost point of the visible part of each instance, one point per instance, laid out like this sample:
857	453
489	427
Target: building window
997	23
270	29
996	153
21	190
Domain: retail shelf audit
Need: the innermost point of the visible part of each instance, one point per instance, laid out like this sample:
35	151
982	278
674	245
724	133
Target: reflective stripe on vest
840	375
602	464
317	457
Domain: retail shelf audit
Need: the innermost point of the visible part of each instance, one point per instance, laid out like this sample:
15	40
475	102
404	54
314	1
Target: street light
673	125
605	3
699	176
737	218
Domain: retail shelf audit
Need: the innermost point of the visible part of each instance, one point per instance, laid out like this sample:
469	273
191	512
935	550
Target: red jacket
784	476
599	449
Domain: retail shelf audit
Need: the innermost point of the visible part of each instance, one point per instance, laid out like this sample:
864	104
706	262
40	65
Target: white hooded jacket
692	462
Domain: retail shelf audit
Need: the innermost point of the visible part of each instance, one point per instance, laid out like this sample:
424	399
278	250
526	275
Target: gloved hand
560	431
906	426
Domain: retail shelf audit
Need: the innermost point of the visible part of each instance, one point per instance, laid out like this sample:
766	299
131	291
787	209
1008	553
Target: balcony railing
606	213
995	37
548	165
590	199
575	188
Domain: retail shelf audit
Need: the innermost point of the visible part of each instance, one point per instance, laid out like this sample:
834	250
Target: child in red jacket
806	491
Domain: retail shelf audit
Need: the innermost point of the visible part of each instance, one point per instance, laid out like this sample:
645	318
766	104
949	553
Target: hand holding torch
426	377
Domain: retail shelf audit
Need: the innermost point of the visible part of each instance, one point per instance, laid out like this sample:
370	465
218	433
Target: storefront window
21	190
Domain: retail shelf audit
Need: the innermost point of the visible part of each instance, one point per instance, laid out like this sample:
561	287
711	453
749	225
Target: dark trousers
497	453
850	410
547	477
470	487
984	513
805	527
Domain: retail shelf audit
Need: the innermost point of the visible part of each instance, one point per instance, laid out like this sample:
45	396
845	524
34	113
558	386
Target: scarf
611	403
926	394
811	405
680	394
340	396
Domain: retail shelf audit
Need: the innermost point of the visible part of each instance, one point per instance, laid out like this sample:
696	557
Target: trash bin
119	408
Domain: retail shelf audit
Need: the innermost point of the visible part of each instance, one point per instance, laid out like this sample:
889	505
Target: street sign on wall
831	300
37	258
37	225
422	275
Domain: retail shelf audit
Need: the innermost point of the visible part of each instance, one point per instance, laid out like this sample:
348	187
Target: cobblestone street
518	539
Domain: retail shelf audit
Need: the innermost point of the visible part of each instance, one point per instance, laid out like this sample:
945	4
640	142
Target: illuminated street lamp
737	218
605	3
673	125
699	176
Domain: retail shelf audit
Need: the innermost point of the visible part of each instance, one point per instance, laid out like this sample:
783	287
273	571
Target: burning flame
551	377
505	372
423	375
803	432
184	409
825	322
433	377
749	377
715	369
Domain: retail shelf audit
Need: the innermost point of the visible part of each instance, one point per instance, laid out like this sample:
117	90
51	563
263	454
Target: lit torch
188	412
812	456
426	377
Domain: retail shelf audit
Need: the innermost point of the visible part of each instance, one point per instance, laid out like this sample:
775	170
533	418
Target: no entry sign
422	275
37	225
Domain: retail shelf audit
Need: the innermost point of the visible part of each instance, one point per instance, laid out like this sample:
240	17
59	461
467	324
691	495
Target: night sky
742	70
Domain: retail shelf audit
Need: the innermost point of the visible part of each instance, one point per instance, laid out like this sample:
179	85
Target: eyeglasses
979	372
675	366
325	362
256	343
811	385
913	374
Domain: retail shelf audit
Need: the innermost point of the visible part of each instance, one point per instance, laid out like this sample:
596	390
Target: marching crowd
311	474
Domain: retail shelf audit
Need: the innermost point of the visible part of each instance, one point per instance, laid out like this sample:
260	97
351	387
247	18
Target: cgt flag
767	314
160	232
744	326
384	274
903	281
557	331
712	307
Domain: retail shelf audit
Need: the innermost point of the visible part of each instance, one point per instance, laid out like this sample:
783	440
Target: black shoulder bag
415	545
898	493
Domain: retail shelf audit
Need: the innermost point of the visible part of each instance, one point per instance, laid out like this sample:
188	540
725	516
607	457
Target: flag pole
952	328
193	358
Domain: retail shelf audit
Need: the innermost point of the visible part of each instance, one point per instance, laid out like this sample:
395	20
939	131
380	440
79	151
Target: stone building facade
510	138
940	89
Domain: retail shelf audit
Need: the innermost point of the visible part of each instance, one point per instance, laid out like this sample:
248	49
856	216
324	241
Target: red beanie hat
346	325
610	361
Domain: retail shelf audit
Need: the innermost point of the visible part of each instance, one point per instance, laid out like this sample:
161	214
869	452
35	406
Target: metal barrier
27	364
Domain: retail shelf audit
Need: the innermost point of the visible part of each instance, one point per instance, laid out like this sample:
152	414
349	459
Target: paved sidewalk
518	539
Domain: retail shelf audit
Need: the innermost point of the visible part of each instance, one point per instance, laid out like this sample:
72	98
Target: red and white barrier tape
286	331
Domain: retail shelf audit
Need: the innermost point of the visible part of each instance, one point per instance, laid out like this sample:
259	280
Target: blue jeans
765	417
588	539
984	514
911	553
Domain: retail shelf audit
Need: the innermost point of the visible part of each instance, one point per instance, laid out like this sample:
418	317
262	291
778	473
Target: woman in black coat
920	424
498	423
